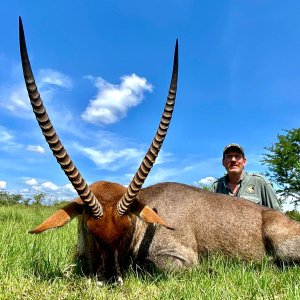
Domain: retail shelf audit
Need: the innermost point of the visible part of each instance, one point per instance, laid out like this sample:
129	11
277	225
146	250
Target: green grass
40	267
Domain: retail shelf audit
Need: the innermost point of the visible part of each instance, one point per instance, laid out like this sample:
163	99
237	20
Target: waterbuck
170	225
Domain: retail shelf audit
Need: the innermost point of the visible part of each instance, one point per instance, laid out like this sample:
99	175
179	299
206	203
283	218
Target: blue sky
103	69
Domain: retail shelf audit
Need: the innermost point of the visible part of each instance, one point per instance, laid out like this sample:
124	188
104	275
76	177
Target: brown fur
204	223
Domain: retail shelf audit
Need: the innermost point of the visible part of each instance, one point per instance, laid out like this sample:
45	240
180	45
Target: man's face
234	162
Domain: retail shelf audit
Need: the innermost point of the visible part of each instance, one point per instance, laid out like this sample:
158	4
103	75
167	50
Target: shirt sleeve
269	197
213	187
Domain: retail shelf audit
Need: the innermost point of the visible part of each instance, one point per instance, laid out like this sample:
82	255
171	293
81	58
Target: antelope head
107	209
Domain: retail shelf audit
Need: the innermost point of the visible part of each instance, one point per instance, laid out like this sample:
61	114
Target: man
241	184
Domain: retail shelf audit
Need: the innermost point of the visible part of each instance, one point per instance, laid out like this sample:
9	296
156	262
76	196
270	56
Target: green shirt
253	187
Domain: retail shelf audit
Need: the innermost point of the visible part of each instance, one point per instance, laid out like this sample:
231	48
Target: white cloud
207	180
113	101
37	188
50	186
53	77
36	148
7	142
2	184
52	191
112	159
69	187
15	97
164	157
5	136
31	181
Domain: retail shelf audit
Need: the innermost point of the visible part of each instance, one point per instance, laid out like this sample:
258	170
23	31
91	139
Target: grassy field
40	267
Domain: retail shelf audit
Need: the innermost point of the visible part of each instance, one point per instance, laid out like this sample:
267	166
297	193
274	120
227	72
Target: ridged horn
149	159
51	136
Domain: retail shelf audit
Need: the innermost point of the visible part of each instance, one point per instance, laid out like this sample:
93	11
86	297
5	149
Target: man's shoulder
217	185
221	179
257	177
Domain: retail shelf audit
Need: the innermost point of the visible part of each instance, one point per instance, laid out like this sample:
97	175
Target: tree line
10	199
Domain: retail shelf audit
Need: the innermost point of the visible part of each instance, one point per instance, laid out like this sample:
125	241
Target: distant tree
205	183
26	201
9	199
283	162
203	186
39	198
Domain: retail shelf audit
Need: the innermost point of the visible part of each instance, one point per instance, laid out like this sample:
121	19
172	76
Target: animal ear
61	217
147	214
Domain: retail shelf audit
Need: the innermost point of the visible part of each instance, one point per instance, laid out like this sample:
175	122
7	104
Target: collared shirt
253	187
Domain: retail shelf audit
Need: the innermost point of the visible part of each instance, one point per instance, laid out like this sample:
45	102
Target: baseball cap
233	145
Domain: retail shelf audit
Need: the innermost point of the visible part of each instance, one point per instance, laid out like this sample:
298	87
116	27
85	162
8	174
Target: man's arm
213	187
269	197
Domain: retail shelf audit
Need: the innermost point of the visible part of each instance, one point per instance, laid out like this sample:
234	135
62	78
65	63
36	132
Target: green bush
294	214
7	199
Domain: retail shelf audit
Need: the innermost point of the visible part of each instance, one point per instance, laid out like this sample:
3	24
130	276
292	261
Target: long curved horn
51	136
149	159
